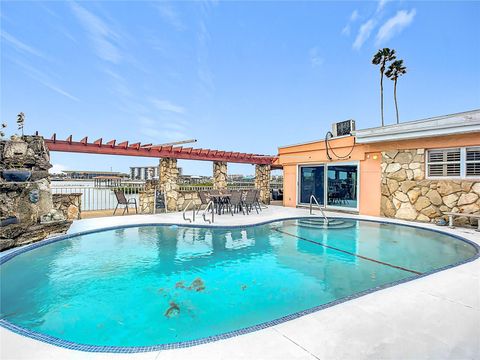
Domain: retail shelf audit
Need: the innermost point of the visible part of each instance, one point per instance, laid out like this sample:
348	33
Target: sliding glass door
333	184
312	182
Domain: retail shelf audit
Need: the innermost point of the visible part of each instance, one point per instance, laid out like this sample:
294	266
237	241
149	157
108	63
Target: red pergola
148	150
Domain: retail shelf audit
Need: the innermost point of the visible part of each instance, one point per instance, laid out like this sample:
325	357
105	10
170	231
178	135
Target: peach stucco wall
368	157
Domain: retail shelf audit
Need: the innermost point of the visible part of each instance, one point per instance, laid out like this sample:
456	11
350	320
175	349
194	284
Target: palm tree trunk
381	95
395	97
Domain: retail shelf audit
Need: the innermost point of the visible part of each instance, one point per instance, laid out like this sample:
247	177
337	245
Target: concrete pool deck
433	317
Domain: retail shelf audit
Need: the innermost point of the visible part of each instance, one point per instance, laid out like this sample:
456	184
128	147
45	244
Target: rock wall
69	205
262	182
219	175
29	202
146	198
147	202
185	196
16	200
169	181
406	194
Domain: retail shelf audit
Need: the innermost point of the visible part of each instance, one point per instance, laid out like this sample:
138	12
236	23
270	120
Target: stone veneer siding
146	197
169	181
219	175
69	205
262	182
406	194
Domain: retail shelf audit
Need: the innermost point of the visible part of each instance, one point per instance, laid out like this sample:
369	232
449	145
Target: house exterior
415	170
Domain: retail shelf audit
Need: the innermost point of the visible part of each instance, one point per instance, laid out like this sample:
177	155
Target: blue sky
241	76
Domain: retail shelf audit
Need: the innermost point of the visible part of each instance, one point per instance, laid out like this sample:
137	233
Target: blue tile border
177	345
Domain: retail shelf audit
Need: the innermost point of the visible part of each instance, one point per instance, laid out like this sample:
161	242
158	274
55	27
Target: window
455	162
473	162
445	162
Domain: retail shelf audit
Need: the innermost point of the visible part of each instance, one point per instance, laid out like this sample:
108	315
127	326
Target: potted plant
2	127
16	173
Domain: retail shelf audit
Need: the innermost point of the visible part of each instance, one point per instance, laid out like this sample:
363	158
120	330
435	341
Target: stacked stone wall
262	182
219	175
146	197
169	181
408	195
69	205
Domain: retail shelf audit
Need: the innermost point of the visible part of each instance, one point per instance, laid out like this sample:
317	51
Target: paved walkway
434	317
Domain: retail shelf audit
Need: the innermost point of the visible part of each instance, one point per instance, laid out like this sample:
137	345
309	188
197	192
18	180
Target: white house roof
464	122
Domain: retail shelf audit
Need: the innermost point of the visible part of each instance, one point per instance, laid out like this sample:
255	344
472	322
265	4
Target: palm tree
395	70
381	58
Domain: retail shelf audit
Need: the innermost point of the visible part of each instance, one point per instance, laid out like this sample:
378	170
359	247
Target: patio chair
122	200
204	198
235	202
257	199
251	201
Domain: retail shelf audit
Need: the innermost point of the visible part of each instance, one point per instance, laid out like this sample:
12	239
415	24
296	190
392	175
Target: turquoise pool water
152	285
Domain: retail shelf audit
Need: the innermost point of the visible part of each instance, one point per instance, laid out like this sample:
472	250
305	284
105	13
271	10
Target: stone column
219	175
262	182
168	181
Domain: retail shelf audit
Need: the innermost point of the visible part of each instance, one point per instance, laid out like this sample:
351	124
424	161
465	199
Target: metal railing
98	198
314	199
245	185
212	206
190	220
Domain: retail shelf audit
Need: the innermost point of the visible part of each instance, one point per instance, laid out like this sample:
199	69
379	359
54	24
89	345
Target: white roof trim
459	123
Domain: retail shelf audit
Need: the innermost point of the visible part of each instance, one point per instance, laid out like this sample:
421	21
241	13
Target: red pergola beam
122	144
163	152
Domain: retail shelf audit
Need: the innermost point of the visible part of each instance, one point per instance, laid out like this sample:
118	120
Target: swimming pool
161	286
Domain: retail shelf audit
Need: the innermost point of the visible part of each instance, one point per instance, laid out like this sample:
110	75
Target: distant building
89	175
240	178
144	172
147	172
194	179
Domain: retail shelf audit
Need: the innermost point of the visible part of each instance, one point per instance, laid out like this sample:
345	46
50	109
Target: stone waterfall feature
27	211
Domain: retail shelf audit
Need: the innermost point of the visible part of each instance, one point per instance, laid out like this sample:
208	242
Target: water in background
95	198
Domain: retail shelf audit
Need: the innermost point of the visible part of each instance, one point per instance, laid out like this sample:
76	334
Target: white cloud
57	169
102	36
363	33
165	105
20	46
315	59
395	25
381	5
204	72
354	15
170	16
44	79
347	28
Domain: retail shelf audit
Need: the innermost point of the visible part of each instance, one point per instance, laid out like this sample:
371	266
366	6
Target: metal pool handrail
314	199
193	212
209	205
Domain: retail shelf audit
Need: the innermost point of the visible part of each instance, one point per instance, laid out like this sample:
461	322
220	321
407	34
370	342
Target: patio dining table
218	199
